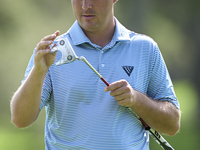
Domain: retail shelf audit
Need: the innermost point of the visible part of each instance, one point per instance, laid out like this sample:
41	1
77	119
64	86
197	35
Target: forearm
162	116
26	101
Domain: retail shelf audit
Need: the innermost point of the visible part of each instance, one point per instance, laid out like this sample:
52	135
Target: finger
124	102
57	32
126	99
121	96
115	85
44	44
51	36
118	91
54	54
42	52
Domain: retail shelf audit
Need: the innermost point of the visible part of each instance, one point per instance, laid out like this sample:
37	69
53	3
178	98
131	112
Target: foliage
24	23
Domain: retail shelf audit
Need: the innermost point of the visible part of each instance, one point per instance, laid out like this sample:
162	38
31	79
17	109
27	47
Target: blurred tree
173	24
187	17
133	13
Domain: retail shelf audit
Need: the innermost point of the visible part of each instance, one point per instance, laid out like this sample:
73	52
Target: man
81	112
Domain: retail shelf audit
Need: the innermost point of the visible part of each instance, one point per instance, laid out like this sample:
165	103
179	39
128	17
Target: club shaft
160	140
154	134
84	59
105	81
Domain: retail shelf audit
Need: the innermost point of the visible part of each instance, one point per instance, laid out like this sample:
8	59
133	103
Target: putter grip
104	81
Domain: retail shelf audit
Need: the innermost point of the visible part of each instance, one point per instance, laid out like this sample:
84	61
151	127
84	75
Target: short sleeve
160	85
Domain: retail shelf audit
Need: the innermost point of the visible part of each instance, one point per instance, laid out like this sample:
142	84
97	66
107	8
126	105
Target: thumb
106	89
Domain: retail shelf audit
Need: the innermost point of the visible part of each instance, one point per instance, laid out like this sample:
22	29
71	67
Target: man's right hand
43	59
25	103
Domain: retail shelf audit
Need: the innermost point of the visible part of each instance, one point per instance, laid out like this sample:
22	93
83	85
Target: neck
101	37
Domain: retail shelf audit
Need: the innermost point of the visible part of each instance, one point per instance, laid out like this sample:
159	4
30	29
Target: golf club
68	56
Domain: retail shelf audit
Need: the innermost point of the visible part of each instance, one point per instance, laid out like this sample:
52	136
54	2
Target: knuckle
127	88
117	98
120	103
123	81
39	45
44	38
112	93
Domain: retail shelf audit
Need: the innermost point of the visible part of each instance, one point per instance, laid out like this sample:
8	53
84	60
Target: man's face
93	15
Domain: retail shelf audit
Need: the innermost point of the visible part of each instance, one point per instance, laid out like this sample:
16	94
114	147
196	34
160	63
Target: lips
88	16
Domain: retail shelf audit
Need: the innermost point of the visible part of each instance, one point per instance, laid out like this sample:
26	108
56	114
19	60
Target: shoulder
136	37
142	42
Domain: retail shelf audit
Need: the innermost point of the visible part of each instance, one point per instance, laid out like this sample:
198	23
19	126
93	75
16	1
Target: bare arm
25	103
161	116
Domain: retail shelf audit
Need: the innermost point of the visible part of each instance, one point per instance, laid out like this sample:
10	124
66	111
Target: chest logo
128	69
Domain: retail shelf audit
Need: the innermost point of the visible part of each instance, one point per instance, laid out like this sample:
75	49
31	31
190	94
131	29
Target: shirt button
102	65
122	34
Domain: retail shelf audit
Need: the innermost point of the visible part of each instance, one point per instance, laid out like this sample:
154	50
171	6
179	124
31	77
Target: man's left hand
123	93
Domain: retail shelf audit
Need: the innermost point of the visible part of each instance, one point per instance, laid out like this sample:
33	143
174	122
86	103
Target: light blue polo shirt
79	114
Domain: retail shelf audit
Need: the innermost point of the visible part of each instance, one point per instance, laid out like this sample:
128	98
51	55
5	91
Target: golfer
83	113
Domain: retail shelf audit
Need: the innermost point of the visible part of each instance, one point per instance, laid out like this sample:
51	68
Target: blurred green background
174	25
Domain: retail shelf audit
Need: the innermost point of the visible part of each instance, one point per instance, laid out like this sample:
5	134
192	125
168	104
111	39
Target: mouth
88	16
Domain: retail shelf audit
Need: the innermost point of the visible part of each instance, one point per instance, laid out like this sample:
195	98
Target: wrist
133	99
40	72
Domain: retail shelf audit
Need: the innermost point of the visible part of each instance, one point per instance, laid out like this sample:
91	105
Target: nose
86	5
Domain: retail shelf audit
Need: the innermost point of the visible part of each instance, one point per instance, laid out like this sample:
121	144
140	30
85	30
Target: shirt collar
121	33
79	37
